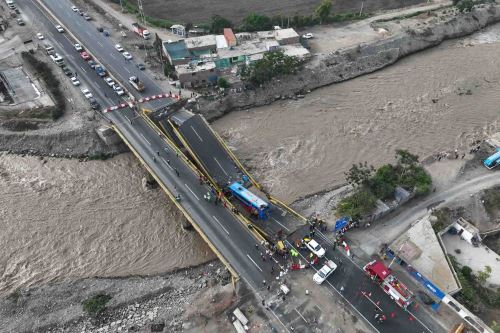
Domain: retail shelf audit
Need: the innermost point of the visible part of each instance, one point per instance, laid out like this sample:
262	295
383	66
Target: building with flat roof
176	52
286	36
201	43
197	73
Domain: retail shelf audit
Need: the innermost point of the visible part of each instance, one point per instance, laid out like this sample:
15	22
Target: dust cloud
68	219
437	100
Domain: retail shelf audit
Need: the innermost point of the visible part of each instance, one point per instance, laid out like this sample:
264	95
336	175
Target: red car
85	55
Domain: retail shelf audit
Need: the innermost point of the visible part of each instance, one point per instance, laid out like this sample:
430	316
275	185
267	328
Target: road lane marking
100	44
421	323
190	190
88	33
199	137
220	166
166	162
280	224
300	314
125	68
175	118
83	69
254	263
145	139
112	56
215	218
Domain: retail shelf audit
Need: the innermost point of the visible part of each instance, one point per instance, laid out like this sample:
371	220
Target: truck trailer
141	31
136	83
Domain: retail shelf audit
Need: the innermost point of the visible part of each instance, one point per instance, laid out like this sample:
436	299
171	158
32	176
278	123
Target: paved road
387	230
229	236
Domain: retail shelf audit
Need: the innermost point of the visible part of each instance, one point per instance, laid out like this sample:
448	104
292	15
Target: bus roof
247	195
492	159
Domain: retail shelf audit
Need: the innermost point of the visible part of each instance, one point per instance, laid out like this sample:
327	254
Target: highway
222	229
229	235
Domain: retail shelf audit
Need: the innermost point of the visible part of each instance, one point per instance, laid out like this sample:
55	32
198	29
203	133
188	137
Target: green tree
484	275
495	327
359	174
384	182
222	83
257	22
219	23
271	65
465	5
323	10
406	158
96	304
358	204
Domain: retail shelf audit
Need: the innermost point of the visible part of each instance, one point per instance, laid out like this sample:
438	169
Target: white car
324	272
315	248
59	28
127	55
39	36
78	47
118	90
119	48
73	8
109	81
308	36
86	93
75	81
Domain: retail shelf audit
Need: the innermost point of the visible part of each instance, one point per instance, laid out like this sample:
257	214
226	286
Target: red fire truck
381	275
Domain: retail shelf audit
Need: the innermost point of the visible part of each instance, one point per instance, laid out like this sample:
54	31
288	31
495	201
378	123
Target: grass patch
96	304
99	156
491	199
443	219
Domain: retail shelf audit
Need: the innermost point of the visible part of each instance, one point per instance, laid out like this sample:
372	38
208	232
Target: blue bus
493	160
256	205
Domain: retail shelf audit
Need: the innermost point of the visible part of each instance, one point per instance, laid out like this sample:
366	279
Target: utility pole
143	22
396	254
121	5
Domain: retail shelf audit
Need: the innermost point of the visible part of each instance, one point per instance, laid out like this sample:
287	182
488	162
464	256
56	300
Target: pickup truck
324	272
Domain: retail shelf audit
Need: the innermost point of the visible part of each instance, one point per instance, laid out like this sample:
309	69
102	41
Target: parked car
308	36
85	55
20	21
87	17
109	81
118	90
100	29
119	48
73	8
40	36
78	47
315	248
86	93
324	272
75	81
93	103
67	71
59	28
127	55
92	64
141	67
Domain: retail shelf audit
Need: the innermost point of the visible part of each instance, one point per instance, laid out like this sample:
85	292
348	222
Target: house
201	43
286	36
179	30
197	73
176	52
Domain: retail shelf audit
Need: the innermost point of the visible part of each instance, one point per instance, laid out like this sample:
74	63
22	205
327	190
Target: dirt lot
199	12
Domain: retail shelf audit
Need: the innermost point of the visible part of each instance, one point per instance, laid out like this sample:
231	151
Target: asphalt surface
222	229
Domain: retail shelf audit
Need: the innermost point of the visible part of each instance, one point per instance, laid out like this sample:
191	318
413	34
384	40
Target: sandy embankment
68	219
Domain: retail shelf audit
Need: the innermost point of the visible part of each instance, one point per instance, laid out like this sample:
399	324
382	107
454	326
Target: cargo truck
141	31
136	83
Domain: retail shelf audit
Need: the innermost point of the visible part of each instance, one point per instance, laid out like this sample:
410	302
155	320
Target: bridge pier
186	225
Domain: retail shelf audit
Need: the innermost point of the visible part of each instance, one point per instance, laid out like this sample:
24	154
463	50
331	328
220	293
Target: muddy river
65	218
436	100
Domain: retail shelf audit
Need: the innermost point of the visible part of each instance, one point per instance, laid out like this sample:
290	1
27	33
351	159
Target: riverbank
401	37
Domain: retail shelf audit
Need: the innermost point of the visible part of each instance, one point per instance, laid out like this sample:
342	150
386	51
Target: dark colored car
92	63
141	67
67	71
100	29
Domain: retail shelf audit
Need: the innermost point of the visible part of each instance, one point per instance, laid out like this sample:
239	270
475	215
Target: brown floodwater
69	219
436	100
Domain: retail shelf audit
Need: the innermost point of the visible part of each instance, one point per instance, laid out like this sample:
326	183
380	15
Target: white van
57	59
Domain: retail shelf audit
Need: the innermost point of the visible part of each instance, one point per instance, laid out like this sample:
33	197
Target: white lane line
254	263
112	56
100	44
215	218
300	314
83	69
190	190
77	23
220	166
125	68
128	119
97	84
175	118
421	323
145	139
280	223
88	33
166	162
199	137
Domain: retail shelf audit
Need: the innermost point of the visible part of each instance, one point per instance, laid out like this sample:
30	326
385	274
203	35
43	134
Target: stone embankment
406	37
